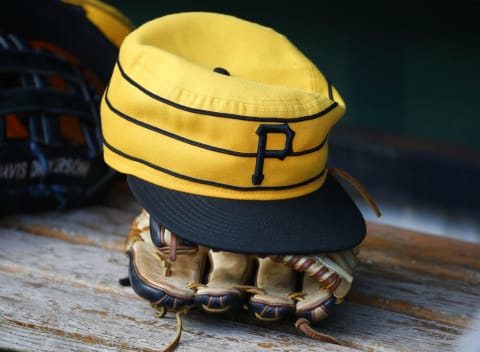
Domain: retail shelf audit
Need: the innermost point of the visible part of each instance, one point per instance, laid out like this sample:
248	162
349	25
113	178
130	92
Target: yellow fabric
109	20
168	118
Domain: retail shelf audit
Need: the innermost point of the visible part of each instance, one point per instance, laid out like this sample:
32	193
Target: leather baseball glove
50	87
174	275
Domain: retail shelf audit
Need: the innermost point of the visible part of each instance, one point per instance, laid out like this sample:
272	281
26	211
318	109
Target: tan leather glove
174	275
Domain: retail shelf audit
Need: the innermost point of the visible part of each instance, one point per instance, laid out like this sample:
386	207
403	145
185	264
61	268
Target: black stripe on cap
195	143
222	114
207	182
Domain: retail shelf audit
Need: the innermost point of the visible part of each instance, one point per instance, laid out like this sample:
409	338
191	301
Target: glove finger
228	272
325	284
317	301
277	283
342	263
154	276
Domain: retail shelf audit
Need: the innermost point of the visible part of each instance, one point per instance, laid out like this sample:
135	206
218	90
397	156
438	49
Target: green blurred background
404	68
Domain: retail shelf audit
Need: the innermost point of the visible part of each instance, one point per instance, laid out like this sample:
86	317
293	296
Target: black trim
194	143
330	90
205	182
156	233
140	287
221	114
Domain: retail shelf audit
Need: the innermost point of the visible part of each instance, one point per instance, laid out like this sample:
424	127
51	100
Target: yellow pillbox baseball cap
222	126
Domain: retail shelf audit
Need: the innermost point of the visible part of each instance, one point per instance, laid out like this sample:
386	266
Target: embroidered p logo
263	152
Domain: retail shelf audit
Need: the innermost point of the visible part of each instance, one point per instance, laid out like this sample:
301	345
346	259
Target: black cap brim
326	220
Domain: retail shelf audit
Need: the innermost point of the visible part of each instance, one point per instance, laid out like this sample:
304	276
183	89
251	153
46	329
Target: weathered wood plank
72	317
76	269
379	282
101	320
420	296
415	247
48	292
412	292
384	245
105	225
99	226
81	265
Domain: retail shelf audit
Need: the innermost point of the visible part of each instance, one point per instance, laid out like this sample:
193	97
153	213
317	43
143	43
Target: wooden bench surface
59	291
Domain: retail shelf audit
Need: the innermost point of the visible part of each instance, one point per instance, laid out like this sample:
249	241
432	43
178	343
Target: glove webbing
28	70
